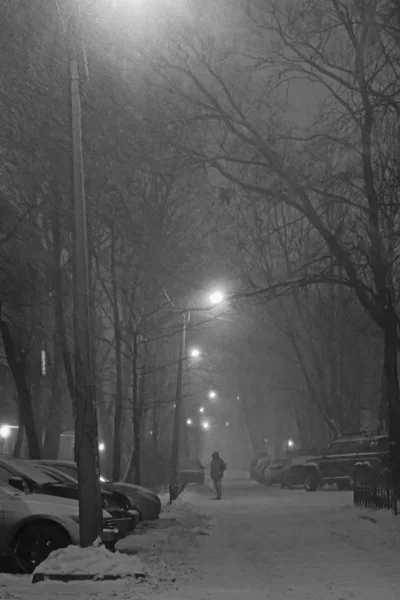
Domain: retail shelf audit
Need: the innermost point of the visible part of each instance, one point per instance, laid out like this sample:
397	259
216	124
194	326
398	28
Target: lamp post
86	435
174	464
215	298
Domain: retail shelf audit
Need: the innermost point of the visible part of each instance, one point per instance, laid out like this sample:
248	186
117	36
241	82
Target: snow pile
97	563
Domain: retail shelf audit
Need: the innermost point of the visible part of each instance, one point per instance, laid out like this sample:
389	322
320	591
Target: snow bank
94	562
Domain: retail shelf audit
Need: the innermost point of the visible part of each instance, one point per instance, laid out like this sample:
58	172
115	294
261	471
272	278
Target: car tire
35	542
311	481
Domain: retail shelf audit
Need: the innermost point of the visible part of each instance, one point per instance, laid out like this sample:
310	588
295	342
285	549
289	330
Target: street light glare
189	421
227	424
102	447
290	443
195	353
216	297
205	425
212	394
201	409
5	432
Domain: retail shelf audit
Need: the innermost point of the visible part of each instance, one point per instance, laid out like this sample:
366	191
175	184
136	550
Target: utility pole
86	435
174	465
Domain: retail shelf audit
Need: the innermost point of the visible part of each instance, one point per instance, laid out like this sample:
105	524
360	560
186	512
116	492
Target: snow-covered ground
265	543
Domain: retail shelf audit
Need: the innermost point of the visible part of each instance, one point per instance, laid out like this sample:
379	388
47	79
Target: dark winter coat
217	468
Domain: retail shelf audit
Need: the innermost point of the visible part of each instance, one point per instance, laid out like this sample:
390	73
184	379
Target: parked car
118	505
293	472
253	465
271	472
145	501
261	465
192	471
34	525
344	457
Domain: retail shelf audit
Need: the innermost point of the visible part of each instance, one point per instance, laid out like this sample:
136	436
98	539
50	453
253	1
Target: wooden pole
86	435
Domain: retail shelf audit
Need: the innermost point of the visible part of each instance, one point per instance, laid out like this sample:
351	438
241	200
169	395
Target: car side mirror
18	483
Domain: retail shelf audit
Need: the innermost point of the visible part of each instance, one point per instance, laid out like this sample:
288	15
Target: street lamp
102	447
195	352
201	409
290	443
216	297
212	394
205	424
227	424
189	422
5	432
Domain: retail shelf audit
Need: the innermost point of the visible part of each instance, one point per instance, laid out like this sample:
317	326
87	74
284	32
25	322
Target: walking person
217	469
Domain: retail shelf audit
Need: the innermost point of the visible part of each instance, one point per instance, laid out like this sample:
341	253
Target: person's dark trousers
218	488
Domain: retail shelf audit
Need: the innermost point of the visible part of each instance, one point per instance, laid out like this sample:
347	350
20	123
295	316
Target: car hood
127	488
313	459
50	504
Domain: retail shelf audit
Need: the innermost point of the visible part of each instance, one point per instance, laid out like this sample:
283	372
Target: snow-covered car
293	472
145	501
192	471
271	472
117	504
344	459
34	525
262	463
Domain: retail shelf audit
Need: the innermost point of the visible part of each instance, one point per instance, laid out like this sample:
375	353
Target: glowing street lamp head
189	422
216	297
5	432
212	394
205	425
201	409
195	353
290	443
102	447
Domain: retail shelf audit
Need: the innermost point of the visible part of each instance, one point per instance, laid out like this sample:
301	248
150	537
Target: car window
5	474
22	468
351	447
333	449
376	445
56	474
70	470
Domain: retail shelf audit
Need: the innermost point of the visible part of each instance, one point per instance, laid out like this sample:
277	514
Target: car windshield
24	469
59	476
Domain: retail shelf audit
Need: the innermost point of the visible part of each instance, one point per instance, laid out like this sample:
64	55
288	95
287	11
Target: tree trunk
136	455
106	430
51	445
155	409
20	435
134	460
137	429
393	397
116	470
18	369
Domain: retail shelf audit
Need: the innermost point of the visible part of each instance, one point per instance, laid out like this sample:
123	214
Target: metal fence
375	490
374	496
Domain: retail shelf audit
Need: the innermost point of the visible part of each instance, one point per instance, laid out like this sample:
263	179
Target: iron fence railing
374	489
374	496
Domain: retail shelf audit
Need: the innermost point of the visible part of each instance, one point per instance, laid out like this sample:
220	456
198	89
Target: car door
348	453
328	463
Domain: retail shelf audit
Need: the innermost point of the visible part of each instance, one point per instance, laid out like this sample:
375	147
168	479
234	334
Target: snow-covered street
257	543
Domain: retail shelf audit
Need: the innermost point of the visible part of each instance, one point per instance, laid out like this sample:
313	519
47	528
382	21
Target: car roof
50	461
361	437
